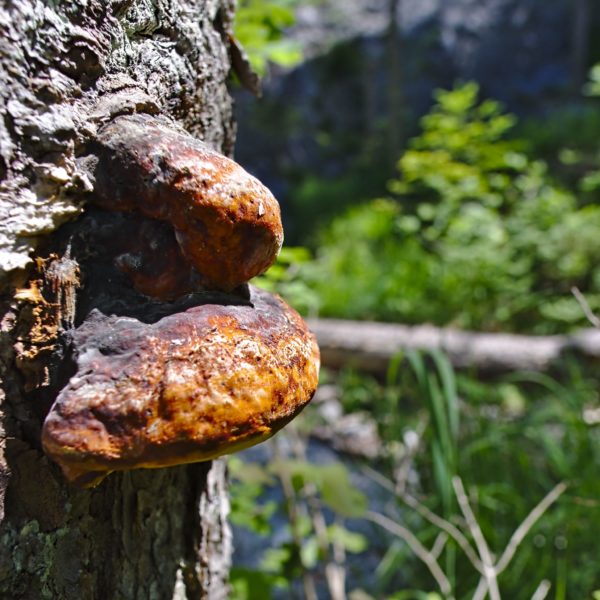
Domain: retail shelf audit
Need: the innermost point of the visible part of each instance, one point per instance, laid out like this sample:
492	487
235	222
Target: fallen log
369	346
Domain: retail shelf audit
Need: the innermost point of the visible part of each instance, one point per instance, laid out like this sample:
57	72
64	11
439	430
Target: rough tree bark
67	67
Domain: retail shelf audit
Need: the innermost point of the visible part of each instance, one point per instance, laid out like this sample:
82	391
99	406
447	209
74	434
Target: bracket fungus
226	222
190	387
224	372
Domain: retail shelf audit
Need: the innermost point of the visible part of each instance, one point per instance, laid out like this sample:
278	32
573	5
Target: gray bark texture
66	68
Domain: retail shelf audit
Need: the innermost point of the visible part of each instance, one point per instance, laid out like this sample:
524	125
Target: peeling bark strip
214	547
47	305
370	346
66	69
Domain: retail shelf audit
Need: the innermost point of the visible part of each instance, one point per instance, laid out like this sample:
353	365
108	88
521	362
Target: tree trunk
371	346
580	43
395	93
66	68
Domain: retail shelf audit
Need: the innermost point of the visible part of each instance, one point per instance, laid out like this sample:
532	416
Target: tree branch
371	346
415	545
523	529
484	552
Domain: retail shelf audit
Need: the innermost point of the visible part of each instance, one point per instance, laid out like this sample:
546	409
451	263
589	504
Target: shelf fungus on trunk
226	222
223	373
192	386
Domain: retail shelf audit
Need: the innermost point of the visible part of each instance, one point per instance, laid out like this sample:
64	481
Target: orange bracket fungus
192	386
171	372
227	223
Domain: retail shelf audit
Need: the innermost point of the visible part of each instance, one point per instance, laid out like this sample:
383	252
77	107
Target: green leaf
259	27
248	584
310	552
418	366
350	540
443	477
248	472
359	594
331	480
415	595
339	494
391	563
393	369
450	395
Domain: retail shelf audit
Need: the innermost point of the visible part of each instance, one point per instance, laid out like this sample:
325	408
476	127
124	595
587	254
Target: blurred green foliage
515	438
510	440
311	489
568	139
316	201
488	225
282	278
259	27
476	234
592	87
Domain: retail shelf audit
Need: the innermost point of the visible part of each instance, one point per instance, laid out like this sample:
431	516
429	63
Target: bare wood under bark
370	346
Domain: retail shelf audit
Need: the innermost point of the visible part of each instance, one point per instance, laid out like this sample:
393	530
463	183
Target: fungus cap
227	223
190	387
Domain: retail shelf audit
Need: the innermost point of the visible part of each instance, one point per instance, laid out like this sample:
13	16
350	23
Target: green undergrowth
510	441
488	224
475	232
259	27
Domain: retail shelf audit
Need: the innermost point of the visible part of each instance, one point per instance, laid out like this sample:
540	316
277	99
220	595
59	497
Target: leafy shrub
510	441
476	234
259	28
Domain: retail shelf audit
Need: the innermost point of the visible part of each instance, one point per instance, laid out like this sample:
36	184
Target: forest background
437	163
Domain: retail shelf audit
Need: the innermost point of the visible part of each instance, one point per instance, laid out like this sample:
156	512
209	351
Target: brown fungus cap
227	223
190	387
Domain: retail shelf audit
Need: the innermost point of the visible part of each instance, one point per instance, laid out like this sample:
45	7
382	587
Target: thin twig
523	529
430	516
484	552
438	545
415	545
335	571
377	477
402	471
485	564
585	307
339	557
291	507
482	589
448	527
542	590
